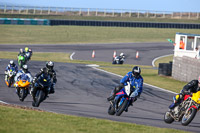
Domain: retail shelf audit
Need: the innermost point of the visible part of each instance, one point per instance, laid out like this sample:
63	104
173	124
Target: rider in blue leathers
10	65
136	82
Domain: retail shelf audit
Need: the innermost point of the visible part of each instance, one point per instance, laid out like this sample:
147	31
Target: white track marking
71	56
153	62
3	102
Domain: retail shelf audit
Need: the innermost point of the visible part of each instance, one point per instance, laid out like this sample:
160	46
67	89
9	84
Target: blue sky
156	5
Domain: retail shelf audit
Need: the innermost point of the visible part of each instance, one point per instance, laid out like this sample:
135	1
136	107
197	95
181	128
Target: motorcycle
42	91
118	60
121	101
185	111
23	88
10	77
21	61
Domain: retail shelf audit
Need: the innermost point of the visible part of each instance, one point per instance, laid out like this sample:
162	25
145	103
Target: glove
34	80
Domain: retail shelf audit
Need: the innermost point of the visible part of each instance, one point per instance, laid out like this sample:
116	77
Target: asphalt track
82	91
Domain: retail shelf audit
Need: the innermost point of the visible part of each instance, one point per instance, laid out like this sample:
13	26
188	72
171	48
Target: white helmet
122	54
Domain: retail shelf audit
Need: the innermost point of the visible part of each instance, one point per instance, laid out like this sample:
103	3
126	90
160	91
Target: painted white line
71	56
144	83
153	62
3	102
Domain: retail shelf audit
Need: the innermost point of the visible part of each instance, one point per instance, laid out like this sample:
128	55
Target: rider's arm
40	73
54	77
138	89
186	88
125	78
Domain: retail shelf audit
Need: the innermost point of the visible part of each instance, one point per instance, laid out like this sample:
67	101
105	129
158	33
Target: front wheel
111	110
168	118
122	107
187	118
39	98
22	94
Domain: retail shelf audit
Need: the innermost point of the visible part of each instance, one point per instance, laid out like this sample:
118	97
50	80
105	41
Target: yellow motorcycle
185	111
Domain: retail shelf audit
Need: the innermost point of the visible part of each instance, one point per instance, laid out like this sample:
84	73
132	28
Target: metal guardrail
30	10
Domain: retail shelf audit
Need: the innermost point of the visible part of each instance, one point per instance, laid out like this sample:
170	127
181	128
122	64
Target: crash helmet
29	50
26	49
25	68
136	71
49	65
12	63
21	51
122	54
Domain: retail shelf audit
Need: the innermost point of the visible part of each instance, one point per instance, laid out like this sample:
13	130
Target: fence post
180	15
130	14
163	14
189	16
5	9
12	10
27	10
147	14
34	10
104	12
88	12
19	10
138	14
80	12
48	10
96	12
41	11
113	13
121	13
56	10
64	11
197	15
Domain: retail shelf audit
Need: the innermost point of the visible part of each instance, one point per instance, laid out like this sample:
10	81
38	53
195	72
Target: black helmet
50	65
136	71
25	68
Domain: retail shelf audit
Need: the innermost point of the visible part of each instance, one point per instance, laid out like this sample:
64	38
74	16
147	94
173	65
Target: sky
155	5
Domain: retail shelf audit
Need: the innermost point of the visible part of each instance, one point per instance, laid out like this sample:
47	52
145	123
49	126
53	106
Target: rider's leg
115	91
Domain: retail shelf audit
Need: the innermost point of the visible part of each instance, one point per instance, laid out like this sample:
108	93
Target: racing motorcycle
121	102
23	87
185	111
21	61
118	60
10	77
42	90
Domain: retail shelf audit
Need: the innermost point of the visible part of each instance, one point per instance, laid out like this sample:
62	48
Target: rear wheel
122	107
167	118
187	118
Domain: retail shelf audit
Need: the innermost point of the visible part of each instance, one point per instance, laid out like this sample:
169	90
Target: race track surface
82	91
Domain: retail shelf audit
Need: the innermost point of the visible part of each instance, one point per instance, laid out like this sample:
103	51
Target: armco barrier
125	24
19	21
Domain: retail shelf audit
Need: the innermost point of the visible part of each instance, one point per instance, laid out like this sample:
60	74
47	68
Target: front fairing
44	82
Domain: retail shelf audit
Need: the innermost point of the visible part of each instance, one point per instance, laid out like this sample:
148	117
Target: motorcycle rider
23	70
192	87
10	65
136	82
28	53
48	70
121	59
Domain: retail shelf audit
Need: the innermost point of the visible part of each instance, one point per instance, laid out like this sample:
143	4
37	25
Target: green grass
166	59
26	34
101	18
15	120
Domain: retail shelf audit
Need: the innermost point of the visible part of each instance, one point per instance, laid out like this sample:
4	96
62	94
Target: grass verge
26	34
16	120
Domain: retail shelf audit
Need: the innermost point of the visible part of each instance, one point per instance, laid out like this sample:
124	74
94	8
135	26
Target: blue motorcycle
121	102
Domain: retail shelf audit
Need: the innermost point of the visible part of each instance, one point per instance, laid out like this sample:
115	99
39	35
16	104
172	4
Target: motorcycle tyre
9	83
192	115
168	120
122	107
22	95
39	98
111	110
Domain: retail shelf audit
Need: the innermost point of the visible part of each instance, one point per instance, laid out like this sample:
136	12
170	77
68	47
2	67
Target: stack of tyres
165	69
